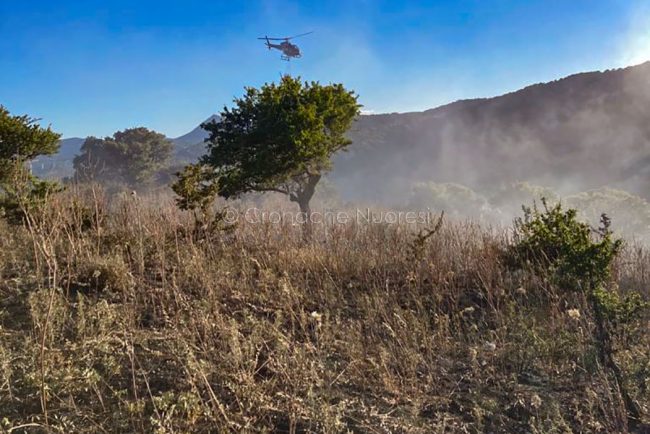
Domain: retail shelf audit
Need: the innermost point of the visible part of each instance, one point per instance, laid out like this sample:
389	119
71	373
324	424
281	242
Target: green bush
579	258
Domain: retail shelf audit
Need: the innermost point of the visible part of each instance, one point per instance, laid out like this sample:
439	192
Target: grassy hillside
131	318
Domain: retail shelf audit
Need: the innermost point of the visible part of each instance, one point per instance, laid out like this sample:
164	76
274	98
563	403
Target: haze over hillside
581	132
577	133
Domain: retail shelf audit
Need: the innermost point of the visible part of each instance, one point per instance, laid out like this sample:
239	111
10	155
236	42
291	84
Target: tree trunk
307	227
303	197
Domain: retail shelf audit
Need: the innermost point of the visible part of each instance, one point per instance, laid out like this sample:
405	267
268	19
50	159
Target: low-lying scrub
135	317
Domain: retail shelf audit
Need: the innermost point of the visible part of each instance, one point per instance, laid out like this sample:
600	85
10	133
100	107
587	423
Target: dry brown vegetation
128	317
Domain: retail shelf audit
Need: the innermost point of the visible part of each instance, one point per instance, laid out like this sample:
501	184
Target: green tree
277	138
22	140
133	157
579	258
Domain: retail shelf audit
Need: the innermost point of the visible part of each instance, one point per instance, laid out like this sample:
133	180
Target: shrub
556	241
580	258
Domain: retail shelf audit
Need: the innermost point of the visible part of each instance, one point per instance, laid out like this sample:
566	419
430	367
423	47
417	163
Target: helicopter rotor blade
287	38
302	34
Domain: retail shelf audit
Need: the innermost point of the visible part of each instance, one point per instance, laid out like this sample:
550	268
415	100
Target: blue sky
93	67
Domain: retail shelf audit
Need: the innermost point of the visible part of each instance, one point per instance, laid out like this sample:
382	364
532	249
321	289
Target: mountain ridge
567	134
581	131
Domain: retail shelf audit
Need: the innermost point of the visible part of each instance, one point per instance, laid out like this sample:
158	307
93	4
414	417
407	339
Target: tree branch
268	189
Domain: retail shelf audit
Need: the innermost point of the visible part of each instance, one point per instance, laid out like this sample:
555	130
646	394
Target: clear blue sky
91	67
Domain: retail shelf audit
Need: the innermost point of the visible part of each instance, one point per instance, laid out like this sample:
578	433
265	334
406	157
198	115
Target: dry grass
128	318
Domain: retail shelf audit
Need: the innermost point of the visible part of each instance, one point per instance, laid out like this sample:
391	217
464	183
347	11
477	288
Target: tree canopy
277	138
133	157
21	140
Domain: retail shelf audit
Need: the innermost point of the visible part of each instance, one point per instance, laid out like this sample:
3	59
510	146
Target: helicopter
288	49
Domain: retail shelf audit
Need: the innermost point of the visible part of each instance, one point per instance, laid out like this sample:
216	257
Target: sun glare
636	49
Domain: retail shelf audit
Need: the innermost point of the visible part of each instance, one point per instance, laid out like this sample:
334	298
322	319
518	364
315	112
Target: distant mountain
197	135
577	133
60	164
583	131
190	146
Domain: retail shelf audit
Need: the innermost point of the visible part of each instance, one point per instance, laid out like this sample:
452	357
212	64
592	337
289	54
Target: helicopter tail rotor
267	41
